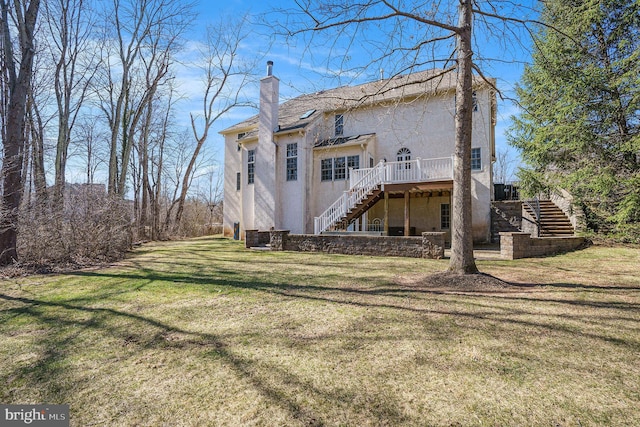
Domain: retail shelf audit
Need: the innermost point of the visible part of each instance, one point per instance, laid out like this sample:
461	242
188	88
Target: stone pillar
514	245
251	239
433	245
278	239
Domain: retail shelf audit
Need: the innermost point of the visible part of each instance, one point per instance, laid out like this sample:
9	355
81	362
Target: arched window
404	155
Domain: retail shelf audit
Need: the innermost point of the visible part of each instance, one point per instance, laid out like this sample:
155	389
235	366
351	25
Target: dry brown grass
205	333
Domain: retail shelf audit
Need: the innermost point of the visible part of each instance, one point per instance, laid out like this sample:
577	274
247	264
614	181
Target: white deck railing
418	170
363	181
358	191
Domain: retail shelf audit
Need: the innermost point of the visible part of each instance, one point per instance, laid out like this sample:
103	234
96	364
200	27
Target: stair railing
358	191
534	205
363	181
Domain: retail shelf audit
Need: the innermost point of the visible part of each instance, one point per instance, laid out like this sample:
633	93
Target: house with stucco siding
375	157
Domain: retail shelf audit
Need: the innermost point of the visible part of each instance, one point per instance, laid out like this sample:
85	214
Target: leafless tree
140	40
89	142
225	75
502	168
36	129
155	131
213	193
69	25
39	118
18	19
177	155
410	35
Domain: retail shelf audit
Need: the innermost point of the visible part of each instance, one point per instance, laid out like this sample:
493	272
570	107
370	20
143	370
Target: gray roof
293	114
342	140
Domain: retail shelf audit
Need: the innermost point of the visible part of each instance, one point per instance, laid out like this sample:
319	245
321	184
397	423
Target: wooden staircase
553	221
366	188
361	207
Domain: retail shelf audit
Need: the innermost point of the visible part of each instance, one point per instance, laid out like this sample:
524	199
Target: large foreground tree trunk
431	24
13	134
462	260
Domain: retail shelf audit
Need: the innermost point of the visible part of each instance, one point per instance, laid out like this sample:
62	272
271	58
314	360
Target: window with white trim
292	162
353	162
251	166
339	124
404	155
476	159
445	216
326	170
339	169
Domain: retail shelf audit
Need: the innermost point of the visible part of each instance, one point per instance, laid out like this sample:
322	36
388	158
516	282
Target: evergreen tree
580	125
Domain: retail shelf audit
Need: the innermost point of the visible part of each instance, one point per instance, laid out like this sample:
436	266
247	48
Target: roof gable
299	112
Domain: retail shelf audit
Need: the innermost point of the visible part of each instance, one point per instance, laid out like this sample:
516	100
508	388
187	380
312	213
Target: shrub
91	227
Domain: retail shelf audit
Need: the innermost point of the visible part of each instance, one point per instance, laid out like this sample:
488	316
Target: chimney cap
269	68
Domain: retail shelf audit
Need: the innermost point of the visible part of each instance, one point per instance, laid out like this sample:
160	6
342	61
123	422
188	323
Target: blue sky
302	69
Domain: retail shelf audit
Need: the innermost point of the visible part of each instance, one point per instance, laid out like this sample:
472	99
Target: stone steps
553	221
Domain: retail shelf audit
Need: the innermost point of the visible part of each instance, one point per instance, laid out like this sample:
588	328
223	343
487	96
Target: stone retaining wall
522	245
506	216
255	238
529	225
430	245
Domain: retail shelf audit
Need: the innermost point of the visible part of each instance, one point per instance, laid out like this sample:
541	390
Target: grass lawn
203	332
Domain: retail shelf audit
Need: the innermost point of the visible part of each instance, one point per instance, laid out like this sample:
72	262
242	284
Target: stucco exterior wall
426	128
293	195
424	213
265	194
232	211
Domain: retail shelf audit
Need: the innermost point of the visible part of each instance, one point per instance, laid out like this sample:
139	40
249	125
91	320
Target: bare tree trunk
462	260
135	181
143	161
13	135
220	66
146	33
155	192
37	151
68	33
186	179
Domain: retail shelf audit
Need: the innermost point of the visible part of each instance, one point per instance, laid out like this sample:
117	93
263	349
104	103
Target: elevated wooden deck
367	186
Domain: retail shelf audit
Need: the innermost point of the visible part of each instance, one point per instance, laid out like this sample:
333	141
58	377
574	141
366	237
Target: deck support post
386	213
407	219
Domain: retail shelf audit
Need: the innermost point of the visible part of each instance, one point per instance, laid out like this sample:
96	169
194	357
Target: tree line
96	82
90	87
579	129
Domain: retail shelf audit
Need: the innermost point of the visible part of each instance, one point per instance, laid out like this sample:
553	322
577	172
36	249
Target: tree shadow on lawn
402	297
435	284
52	378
